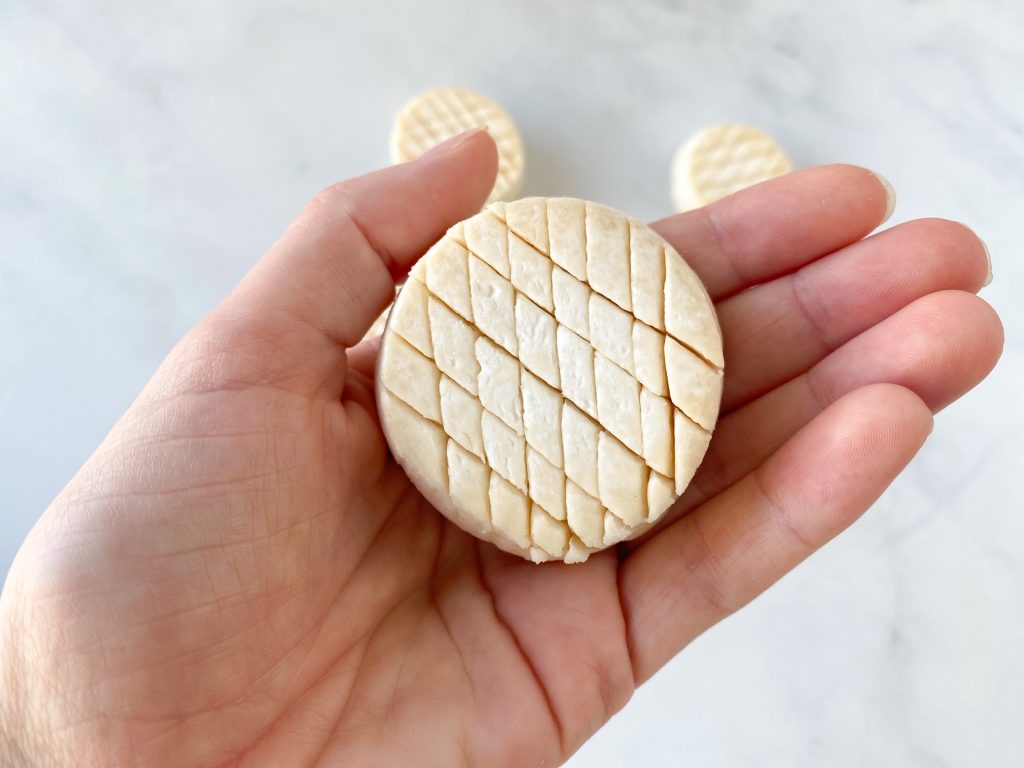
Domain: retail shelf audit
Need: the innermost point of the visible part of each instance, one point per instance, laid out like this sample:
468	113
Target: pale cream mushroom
550	376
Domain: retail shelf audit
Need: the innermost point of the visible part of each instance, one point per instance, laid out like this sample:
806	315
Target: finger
362	358
362	468
776	330
358	391
716	559
940	347
323	283
778	225
363	423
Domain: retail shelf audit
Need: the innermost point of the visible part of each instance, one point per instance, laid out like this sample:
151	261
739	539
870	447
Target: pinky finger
723	554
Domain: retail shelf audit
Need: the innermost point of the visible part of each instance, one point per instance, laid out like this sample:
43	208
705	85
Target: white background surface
149	152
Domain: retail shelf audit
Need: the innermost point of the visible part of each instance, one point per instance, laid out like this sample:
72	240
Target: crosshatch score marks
563	367
722	159
438	115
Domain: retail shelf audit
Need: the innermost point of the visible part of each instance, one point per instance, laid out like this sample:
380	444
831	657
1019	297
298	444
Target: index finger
779	225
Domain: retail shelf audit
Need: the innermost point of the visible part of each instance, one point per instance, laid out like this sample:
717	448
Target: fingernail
988	255
988	258
890	196
450	144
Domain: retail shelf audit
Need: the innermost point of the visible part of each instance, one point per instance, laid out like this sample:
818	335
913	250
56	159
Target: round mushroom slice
550	375
438	115
722	159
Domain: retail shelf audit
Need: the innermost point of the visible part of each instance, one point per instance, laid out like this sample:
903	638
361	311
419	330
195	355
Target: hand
239	575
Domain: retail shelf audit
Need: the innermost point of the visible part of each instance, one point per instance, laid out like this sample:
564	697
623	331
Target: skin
240	576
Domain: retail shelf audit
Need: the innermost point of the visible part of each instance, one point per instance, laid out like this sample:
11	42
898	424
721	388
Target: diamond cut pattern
723	159
578	410
732	157
438	115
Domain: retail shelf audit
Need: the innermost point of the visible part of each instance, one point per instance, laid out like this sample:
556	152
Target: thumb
320	287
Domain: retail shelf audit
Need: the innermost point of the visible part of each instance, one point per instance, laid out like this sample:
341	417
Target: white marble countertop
149	152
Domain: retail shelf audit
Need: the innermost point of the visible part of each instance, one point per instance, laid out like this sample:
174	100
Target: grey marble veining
150	152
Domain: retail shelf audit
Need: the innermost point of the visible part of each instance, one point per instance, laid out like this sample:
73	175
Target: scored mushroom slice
437	115
550	375
722	159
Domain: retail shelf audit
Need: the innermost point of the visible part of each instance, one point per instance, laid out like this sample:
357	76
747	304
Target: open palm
240	575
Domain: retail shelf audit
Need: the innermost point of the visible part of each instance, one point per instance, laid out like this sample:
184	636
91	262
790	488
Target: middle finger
777	330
